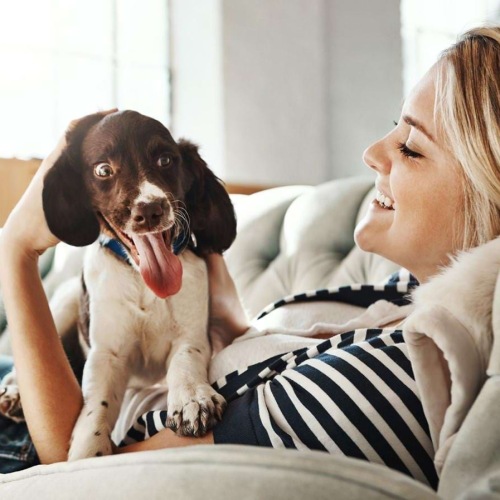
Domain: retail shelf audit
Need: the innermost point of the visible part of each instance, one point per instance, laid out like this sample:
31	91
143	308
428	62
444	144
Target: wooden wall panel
15	175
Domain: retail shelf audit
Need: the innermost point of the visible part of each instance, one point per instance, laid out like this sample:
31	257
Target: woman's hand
166	438
227	317
26	229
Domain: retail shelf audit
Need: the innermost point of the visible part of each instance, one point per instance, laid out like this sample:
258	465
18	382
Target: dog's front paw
192	411
90	439
10	401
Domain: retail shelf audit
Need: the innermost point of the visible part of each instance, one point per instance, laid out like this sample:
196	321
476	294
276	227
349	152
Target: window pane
142	32
27	24
144	89
83	85
27	95
60	59
85	28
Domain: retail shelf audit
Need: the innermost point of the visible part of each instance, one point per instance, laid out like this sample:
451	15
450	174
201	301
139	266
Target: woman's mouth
385	201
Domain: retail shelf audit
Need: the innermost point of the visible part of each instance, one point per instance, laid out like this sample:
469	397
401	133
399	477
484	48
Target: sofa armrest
220	472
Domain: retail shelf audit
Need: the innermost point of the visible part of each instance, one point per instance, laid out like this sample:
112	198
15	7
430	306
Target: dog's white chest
129	319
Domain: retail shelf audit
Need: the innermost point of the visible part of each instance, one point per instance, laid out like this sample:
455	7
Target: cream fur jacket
450	337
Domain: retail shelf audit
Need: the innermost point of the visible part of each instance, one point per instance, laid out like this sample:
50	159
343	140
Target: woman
438	177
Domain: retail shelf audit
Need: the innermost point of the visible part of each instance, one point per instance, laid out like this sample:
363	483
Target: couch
289	239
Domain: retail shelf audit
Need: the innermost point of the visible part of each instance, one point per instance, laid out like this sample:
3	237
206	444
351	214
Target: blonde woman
438	183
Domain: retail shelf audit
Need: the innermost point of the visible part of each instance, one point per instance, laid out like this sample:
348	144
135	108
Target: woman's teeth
385	201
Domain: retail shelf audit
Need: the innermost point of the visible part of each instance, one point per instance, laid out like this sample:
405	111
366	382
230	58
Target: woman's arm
49	391
50	394
166	438
227	316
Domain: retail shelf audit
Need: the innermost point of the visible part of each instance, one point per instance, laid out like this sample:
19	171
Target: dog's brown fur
74	198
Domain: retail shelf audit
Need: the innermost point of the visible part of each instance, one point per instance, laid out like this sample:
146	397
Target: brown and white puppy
145	315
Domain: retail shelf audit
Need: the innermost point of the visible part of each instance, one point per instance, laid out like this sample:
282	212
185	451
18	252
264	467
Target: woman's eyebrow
414	123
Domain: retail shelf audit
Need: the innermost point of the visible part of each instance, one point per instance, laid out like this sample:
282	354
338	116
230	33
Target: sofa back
297	238
290	239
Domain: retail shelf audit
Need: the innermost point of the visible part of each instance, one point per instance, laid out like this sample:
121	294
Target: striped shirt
353	394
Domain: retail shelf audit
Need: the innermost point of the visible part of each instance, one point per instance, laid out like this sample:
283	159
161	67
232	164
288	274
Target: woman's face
419	183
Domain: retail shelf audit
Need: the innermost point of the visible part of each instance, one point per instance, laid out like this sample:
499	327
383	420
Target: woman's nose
376	157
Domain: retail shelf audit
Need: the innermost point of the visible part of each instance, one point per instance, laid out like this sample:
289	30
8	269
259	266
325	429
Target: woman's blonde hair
468	109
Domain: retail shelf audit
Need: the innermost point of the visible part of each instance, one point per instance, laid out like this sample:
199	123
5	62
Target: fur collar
450	340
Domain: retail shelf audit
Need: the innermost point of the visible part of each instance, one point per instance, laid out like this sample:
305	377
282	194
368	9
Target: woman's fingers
26	225
49	161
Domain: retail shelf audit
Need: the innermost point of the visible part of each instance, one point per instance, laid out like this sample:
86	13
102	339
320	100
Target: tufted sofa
290	239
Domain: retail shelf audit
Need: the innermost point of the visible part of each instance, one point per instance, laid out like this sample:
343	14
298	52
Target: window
61	59
430	26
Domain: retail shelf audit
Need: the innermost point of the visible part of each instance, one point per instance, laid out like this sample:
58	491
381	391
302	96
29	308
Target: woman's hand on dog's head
26	228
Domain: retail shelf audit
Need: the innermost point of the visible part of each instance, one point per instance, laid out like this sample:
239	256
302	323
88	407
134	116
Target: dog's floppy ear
66	203
211	212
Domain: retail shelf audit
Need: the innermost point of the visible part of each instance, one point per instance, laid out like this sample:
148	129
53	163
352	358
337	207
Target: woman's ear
66	203
211	213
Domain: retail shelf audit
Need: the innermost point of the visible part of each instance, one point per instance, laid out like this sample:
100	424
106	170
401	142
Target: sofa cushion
221	472
295	238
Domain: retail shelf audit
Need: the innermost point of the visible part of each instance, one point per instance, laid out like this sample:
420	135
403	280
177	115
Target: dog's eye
164	161
103	170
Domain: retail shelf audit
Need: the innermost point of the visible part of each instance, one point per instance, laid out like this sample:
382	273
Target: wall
275	91
365	78
305	85
197	77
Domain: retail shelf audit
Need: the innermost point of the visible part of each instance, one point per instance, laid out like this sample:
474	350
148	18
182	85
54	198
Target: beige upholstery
210	472
297	238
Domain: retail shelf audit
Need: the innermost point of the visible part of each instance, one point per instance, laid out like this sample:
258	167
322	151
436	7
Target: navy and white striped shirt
353	394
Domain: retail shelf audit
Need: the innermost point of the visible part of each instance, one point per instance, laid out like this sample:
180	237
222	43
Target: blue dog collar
179	245
181	242
116	247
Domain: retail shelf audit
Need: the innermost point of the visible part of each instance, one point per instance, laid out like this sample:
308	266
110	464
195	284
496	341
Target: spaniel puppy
154	208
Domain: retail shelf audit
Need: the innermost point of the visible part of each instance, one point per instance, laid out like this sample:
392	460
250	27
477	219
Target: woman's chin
365	236
372	231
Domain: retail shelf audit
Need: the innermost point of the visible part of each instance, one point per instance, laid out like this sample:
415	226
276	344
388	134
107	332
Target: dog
151	208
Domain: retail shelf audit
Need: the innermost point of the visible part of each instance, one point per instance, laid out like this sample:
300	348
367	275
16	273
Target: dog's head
123	174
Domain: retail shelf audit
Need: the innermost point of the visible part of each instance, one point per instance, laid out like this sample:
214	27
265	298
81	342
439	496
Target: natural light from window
429	26
62	59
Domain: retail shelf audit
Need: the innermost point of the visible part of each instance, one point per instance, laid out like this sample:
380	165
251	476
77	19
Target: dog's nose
147	214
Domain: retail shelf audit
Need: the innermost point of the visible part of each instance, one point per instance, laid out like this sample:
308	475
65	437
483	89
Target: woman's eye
164	161
103	170
407	152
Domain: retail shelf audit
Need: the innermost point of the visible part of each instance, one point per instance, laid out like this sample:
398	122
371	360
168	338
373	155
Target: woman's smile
402	174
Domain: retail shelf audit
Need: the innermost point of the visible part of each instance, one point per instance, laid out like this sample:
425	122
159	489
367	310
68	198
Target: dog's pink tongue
160	268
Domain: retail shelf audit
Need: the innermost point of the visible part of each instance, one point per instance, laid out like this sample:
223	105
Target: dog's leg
193	405
10	400
105	379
